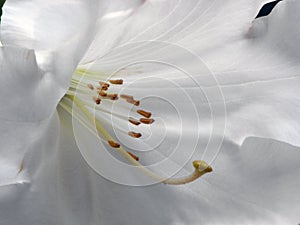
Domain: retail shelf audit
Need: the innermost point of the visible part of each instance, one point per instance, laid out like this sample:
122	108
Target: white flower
164	49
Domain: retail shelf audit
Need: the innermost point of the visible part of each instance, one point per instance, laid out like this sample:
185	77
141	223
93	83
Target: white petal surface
29	138
28	172
254	179
254	66
58	31
207	24
27	92
257	70
251	184
259	77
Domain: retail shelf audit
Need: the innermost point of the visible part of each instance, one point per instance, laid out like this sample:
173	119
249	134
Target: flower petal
259	77
27	152
59	32
47	26
27	92
242	173
252	183
255	69
177	21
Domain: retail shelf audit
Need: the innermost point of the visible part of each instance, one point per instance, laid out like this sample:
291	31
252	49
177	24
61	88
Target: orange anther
133	156
146	120
133	121
127	97
144	113
104	88
113	144
104	84
134	134
97	100
102	93
113	96
120	81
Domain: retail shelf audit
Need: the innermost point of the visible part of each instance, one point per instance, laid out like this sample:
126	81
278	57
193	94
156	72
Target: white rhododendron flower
149	112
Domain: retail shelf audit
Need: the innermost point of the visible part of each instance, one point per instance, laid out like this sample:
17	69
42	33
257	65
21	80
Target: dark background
264	11
1	4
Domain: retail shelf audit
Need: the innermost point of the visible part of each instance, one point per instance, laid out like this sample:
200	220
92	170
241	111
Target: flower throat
95	94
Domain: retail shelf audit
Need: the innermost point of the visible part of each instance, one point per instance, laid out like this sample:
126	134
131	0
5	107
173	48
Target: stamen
113	144
104	84
117	145
134	134
102	93
90	86
127	97
130	99
136	158
144	113
97	100
133	121
112	96
134	102
146	121
103	88
200	166
118	82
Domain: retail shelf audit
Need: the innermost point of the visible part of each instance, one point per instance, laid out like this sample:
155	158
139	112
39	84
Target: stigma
97	93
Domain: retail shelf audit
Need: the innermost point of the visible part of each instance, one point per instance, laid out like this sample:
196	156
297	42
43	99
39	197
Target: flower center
92	91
